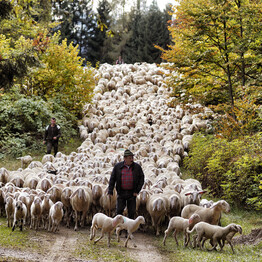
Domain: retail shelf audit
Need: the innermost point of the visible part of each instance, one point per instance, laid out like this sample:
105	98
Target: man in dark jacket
128	177
52	134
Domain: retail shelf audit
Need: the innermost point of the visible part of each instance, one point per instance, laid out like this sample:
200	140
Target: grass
16	239
12	163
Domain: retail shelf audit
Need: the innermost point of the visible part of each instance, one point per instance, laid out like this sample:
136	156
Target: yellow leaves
63	76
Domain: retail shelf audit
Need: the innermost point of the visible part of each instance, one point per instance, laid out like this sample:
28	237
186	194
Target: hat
128	153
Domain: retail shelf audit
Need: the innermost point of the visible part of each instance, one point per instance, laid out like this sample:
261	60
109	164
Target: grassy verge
11	163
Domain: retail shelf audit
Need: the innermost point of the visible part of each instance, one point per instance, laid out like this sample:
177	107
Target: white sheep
178	224
19	215
131	225
9	209
213	232
36	213
210	215
55	216
107	225
25	161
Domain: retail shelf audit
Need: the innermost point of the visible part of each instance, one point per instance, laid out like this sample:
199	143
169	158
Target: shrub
229	169
23	120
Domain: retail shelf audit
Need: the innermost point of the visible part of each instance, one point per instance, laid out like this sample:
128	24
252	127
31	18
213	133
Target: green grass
86	249
16	239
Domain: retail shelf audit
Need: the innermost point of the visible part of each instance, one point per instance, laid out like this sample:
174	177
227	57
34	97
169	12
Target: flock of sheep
129	111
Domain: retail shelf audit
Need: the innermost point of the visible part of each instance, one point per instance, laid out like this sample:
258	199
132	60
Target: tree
103	32
78	24
17	25
147	28
214	49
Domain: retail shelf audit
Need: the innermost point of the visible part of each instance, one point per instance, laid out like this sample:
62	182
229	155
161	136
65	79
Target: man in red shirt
128	177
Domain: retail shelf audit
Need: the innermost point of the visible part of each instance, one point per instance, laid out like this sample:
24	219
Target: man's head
53	121
128	157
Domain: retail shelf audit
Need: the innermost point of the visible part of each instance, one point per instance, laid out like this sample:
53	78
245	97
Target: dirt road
62	246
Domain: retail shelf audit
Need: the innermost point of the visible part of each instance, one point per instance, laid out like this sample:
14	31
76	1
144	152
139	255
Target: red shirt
127	178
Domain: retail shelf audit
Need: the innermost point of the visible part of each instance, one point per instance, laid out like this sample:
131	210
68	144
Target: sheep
190	196
46	204
55	216
2	201
35	212
9	209
107	225
210	215
65	199
131	225
213	232
229	237
157	208
4	174
19	214
25	161
177	224
81	201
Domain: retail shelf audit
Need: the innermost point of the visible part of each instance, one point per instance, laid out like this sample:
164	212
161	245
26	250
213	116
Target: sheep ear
188	194
202	192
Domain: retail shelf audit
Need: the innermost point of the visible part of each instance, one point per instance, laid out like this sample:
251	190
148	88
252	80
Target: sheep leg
109	238
166	234
128	237
102	235
32	223
229	242
92	233
50	224
118	233
186	238
76	218
174	234
15	223
21	225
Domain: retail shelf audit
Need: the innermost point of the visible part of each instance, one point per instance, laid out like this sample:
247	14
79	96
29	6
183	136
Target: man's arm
112	181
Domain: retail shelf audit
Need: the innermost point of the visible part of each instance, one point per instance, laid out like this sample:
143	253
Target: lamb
55	216
177	224
213	232
19	215
131	225
107	225
229	237
210	215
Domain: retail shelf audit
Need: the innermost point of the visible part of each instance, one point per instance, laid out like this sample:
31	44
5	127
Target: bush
229	169
23	121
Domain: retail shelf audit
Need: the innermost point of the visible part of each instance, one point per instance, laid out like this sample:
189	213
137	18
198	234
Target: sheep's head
195	218
117	220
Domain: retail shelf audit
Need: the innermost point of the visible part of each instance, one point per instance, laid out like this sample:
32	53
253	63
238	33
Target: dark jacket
51	132
138	178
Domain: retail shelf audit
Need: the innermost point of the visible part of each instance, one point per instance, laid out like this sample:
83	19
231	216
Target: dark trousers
51	144
126	200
